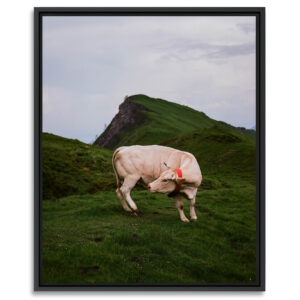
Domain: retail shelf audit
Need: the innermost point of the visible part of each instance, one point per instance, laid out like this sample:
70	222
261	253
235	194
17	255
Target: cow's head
166	182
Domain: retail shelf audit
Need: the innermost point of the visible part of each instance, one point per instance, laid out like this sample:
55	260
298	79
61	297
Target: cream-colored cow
164	169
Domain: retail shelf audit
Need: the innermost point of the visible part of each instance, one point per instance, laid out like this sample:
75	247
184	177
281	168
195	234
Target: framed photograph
149	149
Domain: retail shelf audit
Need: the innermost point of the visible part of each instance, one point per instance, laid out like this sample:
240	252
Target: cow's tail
113	163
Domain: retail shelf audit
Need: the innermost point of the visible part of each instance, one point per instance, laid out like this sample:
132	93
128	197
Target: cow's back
144	161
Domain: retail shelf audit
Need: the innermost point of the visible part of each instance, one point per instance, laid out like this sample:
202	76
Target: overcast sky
91	63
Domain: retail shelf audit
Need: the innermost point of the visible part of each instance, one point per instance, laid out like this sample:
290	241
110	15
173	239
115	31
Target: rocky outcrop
129	116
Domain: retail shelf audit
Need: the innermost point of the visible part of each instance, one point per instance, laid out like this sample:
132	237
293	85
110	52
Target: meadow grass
90	239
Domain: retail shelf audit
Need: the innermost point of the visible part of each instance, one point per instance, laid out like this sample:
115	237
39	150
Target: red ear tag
178	185
179	172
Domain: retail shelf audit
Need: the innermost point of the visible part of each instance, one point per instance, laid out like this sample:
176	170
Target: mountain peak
143	120
129	116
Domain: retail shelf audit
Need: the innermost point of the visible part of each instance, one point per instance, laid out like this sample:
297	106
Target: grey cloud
246	27
232	50
208	51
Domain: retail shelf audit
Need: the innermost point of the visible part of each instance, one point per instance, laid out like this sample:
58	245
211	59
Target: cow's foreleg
192	209
179	205
122	200
127	186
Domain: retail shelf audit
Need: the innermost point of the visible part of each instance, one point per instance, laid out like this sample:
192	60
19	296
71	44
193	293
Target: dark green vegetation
72	167
88	238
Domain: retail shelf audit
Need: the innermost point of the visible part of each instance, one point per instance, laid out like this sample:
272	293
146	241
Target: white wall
283	148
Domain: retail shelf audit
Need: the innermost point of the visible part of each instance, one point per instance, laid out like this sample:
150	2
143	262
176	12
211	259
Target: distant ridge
144	120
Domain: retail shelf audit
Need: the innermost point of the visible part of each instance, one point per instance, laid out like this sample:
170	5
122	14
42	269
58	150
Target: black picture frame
259	13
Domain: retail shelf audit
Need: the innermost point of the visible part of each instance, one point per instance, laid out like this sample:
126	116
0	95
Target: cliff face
128	117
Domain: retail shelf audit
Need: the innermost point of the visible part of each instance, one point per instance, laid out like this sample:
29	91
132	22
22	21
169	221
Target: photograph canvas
149	148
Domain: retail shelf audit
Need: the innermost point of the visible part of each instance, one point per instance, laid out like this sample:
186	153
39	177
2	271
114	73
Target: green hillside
89	238
164	119
71	167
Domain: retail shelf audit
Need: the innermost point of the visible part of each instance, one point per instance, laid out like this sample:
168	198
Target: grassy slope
72	167
167	119
88	237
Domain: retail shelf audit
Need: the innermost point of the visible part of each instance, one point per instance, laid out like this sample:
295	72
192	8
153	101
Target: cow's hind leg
122	200
192	209
179	205
127	186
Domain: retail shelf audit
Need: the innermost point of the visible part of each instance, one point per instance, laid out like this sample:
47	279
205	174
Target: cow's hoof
185	220
194	218
135	213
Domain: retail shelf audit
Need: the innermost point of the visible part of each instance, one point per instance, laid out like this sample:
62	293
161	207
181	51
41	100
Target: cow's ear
175	176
